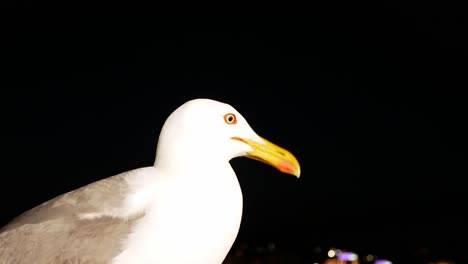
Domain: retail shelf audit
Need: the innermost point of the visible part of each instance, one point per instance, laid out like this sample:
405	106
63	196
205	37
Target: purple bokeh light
347	256
382	261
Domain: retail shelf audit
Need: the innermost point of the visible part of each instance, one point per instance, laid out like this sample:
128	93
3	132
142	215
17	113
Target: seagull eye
230	119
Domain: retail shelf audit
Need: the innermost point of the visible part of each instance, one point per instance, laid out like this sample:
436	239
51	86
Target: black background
369	99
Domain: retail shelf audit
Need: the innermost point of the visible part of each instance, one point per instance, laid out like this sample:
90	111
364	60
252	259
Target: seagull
186	208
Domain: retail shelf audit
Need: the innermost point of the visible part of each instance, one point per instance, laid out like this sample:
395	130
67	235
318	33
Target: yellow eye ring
230	119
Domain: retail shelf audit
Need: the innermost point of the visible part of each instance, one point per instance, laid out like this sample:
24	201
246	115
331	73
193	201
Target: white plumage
187	208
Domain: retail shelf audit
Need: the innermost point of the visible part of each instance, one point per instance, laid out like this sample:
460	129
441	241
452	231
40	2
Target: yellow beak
273	155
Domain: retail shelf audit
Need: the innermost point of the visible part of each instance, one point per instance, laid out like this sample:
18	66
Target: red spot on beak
286	167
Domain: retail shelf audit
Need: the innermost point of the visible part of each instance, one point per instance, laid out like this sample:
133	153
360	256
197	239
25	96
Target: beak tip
290	168
297	173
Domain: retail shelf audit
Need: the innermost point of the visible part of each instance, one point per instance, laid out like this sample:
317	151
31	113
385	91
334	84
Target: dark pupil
230	118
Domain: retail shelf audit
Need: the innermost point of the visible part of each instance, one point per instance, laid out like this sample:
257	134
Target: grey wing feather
53	232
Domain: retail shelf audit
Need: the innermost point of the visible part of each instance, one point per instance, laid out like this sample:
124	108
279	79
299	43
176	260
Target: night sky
369	99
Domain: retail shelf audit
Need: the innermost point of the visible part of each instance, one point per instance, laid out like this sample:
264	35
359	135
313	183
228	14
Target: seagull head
203	130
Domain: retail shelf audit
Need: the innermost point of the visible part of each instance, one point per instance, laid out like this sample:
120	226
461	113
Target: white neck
191	219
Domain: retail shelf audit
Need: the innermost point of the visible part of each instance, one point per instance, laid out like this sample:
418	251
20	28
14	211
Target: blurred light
369	258
382	261
347	256
260	249
317	249
271	247
331	253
